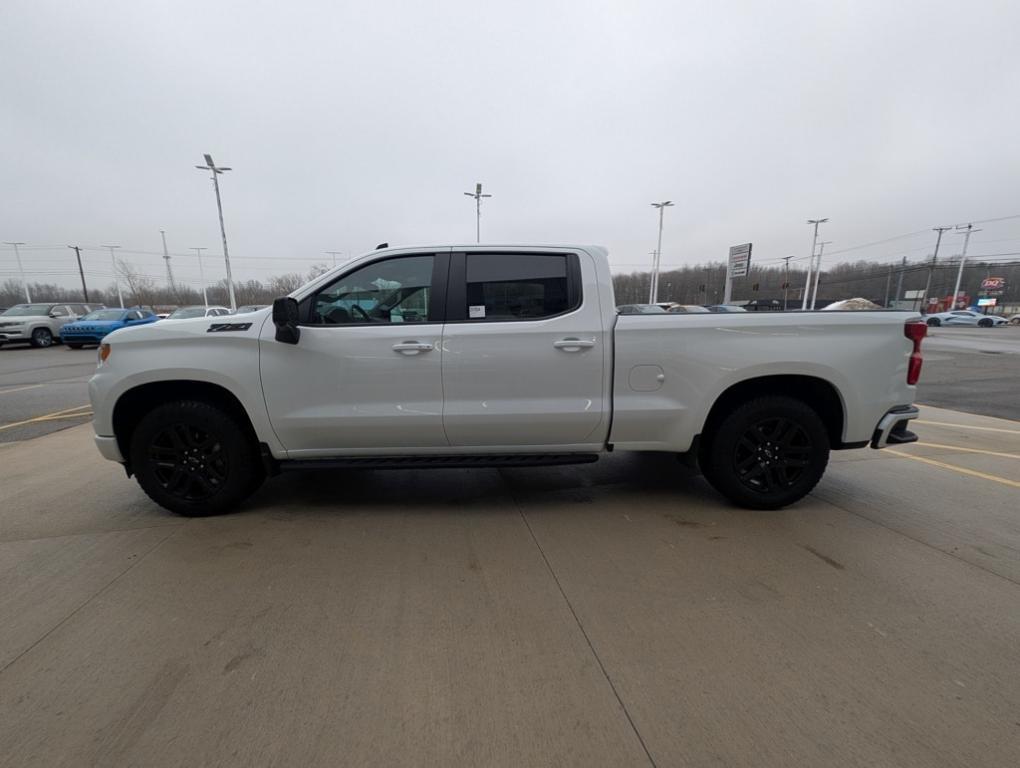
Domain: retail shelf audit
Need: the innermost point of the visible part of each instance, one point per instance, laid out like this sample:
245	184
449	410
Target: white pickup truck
501	357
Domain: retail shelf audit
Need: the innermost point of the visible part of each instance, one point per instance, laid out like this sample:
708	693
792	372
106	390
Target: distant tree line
695	284
881	283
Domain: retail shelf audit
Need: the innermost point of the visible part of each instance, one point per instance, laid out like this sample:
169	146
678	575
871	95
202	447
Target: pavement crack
584	632
91	597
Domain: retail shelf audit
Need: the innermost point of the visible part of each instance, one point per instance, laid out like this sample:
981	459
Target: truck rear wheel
194	459
767	453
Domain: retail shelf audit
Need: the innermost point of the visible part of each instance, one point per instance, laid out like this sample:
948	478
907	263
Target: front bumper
14	334
109	448
892	428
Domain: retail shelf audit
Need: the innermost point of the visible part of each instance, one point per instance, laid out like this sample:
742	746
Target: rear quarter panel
864	355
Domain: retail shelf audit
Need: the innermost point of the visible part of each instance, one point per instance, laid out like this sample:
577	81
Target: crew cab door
366	372
524	351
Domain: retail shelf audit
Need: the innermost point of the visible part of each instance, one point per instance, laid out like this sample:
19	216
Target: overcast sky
348	124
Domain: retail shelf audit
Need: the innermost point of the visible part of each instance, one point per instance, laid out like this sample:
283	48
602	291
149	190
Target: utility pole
166	258
963	259
786	279
21	271
654	292
899	280
931	269
818	270
201	274
477	195
811	262
84	290
334	254
888	285
116	278
216	171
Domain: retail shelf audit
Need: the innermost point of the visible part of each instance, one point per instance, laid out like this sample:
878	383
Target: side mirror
285	318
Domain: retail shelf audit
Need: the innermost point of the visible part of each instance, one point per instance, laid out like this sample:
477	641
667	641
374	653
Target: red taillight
915	331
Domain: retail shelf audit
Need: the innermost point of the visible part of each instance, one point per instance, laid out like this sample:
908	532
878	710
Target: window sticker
476	311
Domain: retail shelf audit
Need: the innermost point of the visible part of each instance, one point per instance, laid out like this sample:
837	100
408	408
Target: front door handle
412	347
573	345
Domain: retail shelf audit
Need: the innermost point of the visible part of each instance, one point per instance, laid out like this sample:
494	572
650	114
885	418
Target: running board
442	462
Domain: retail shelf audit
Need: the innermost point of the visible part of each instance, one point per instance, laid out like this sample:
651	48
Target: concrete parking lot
614	614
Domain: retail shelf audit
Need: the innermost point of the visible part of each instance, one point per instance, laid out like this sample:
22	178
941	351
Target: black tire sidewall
243	469
934	322
720	446
41	333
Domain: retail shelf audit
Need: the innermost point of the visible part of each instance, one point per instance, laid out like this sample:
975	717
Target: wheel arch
133	404
819	394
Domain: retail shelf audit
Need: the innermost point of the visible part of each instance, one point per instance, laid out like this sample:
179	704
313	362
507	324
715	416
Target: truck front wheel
194	459
767	453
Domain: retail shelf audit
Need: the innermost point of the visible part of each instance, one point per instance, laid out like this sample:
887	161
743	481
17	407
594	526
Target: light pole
931	269
216	171
786	279
116	279
166	258
201	273
654	290
963	259
21	271
477	195
818	270
811	262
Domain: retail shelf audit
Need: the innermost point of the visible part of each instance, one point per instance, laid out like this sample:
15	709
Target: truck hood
197	328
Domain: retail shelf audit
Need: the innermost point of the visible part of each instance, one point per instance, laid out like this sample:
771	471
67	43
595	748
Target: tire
934	322
73	345
985	323
41	338
194	459
1015	321
766	453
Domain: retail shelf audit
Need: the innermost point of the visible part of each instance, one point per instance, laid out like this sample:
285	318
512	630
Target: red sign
993	285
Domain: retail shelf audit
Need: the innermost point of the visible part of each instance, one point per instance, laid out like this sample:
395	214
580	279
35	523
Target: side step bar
441	462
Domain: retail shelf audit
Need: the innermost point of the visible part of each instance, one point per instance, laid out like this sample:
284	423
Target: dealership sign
993	286
740	260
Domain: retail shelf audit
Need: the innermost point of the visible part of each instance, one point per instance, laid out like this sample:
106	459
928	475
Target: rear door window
518	286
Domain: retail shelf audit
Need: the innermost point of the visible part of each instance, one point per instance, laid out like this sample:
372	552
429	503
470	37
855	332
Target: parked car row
44	324
671	307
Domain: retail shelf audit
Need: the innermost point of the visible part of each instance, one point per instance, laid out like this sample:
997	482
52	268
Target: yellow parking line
967	426
926	444
64	414
20	389
954	468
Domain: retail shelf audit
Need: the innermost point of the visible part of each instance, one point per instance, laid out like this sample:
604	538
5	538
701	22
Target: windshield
105	314
28	310
184	312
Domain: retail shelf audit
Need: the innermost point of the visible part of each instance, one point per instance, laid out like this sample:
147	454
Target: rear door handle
412	347
573	345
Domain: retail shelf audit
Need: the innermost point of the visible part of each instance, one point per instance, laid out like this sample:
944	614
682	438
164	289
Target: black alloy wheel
194	458
934	322
772	455
188	462
766	453
41	337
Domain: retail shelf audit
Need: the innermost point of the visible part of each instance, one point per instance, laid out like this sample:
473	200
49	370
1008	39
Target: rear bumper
892	428
109	448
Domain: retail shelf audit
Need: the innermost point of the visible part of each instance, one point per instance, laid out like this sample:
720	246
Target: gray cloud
350	124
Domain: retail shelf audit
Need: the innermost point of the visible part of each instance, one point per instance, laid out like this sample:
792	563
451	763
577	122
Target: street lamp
811	262
216	171
653	291
477	195
21	271
201	273
116	279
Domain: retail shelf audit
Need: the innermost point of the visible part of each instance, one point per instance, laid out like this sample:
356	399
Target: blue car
95	325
